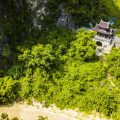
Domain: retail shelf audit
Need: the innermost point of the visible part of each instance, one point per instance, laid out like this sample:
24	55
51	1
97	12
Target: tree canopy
55	64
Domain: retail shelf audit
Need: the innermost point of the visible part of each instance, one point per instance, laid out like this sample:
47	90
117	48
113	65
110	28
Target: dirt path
27	112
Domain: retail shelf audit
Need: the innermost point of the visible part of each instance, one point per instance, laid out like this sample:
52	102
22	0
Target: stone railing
98	38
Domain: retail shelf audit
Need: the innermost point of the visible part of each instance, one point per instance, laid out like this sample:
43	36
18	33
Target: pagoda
105	37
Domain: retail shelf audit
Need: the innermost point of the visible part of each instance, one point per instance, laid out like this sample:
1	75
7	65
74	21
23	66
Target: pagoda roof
102	31
103	27
102	24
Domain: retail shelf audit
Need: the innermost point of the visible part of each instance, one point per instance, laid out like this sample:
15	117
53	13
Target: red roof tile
103	24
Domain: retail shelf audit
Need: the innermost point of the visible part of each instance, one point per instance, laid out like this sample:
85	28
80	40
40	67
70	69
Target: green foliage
16	71
38	64
117	32
77	82
83	48
114	63
15	118
4	116
39	56
60	66
67	74
8	90
58	36
87	11
42	118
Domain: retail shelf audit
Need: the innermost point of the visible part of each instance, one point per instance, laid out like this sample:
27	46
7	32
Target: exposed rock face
38	7
65	19
18	17
41	11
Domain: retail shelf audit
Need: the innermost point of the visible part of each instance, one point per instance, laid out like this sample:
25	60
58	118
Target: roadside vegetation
4	116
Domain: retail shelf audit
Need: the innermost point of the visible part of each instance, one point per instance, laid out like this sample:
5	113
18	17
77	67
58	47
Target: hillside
46	54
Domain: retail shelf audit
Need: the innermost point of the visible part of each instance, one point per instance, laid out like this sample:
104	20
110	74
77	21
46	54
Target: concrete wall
117	42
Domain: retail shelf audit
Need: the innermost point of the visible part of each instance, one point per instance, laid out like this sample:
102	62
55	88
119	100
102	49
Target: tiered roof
104	24
103	27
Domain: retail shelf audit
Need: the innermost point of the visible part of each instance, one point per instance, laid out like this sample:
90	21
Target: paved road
27	112
32	113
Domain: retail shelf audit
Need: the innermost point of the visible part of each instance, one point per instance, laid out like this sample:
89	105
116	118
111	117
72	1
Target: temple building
105	37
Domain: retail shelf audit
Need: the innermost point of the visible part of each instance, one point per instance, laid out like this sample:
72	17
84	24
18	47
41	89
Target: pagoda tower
105	37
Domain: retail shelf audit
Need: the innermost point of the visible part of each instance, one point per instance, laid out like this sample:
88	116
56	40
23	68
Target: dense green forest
55	64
